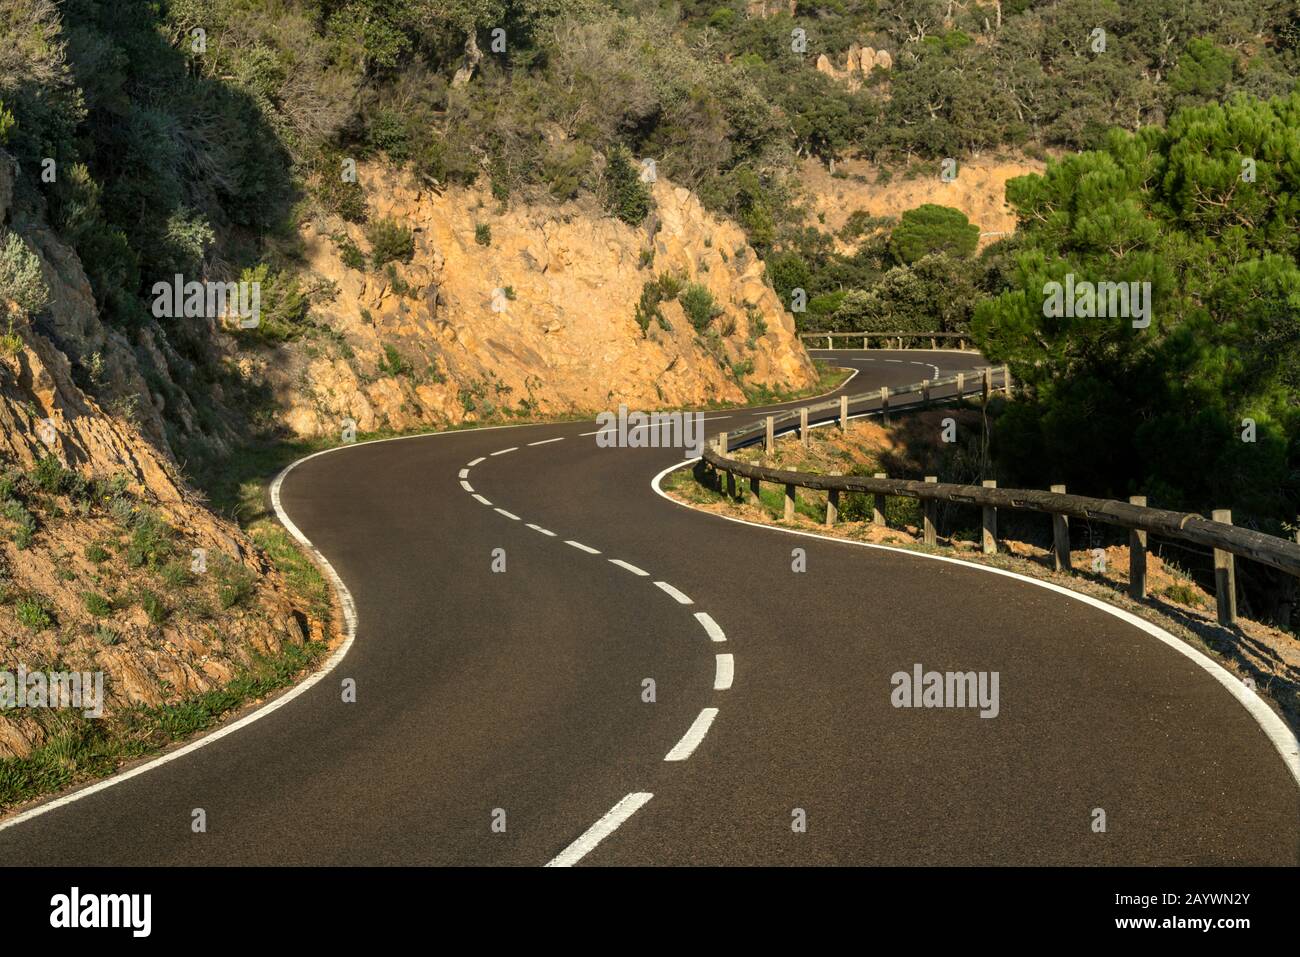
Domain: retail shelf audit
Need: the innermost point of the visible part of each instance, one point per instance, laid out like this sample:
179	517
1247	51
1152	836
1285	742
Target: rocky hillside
978	190
526	310
107	562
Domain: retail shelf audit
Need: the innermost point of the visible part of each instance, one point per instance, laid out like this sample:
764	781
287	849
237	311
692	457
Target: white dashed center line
547	441
475	462
581	547
725	672
602	829
710	626
506	514
466	486
669	589
538	528
513	448
694	735
464	473
632	568
482	499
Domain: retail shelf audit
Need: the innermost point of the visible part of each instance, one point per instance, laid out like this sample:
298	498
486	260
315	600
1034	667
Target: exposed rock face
979	191
541	319
42	413
762	9
858	63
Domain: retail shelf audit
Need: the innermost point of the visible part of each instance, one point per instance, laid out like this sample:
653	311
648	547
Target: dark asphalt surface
522	691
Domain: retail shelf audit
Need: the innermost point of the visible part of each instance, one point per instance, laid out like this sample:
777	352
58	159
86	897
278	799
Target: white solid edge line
630	567
1283	739
538	528
586	548
466	486
475	462
710	626
669	589
602	829
726	671
513	448
506	514
546	441
482	499
350	633
693	736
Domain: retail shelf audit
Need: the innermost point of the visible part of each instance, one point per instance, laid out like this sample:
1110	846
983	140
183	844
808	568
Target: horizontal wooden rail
1226	539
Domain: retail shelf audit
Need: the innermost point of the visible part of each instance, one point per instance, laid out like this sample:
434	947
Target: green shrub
389	242
699	306
351	255
153	606
50	476
97	553
176	574
20	275
97	604
33	613
625	195
483	234
151	541
393	363
106	635
235	583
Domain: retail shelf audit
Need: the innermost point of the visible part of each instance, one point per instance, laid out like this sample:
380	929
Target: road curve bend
554	664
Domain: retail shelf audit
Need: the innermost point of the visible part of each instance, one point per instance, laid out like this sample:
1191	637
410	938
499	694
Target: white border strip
1286	743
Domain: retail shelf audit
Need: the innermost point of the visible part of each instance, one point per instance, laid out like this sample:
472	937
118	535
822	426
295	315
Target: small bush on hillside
20	275
699	306
483	234
625	195
389	242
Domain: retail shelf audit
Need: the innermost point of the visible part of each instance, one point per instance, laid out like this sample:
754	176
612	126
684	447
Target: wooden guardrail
1217	532
961	338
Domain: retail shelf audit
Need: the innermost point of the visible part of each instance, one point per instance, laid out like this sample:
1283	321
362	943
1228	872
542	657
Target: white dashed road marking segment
694	735
726	671
632	568
710	626
669	589
581	547
513	448
482	499
538	528
506	514
466	486
602	829
475	462
547	441
464	473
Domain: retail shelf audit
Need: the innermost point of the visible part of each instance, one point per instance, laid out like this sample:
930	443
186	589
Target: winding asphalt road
522	691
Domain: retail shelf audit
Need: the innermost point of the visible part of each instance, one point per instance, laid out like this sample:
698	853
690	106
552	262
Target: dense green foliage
1166	409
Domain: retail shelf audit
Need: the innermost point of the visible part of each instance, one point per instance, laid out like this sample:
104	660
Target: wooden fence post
828	342
1060	538
878	505
1137	556
1225	575
1006	380
925	392
884	405
771	434
987	385
789	503
844	413
961	383
803	426
832	506
990	531
930	510
753	491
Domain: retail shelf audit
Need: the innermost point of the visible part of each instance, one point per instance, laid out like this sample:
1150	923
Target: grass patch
79	749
